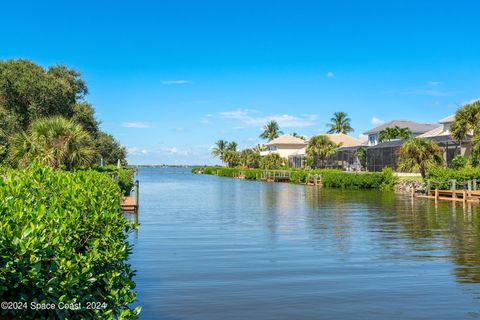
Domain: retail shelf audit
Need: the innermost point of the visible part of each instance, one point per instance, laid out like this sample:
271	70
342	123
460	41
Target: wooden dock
130	203
313	180
275	176
469	193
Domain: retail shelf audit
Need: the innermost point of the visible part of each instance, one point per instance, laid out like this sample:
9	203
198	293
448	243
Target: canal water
220	248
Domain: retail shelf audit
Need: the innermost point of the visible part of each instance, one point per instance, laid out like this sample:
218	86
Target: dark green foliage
330	178
109	149
29	91
63	239
84	114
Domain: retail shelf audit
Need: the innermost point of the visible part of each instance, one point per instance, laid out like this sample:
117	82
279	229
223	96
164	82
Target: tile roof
343	140
448	119
415	127
286	139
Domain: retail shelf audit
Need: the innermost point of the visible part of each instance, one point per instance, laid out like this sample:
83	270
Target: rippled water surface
220	248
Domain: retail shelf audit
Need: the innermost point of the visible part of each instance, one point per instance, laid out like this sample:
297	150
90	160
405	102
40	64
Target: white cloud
136	151
138	125
377	121
330	74
433	83
176	151
245	118
168	82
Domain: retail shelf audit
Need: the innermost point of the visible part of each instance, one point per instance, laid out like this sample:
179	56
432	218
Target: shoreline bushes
331	178
440	177
63	239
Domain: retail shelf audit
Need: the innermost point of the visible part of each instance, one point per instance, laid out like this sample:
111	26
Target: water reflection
220	248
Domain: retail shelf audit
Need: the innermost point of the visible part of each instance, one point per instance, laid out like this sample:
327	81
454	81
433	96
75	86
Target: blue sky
169	78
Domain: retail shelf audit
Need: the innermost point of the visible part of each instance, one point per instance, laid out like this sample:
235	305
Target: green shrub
272	161
331	178
124	177
63	240
459	162
441	177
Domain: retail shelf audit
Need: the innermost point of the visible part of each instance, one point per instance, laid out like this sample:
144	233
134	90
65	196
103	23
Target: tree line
416	154
45	118
319	146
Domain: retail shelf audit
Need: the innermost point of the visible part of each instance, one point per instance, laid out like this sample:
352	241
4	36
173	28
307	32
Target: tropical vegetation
319	148
340	123
62	232
330	178
271	131
272	161
419	155
63	239
396	132
29	93
55	142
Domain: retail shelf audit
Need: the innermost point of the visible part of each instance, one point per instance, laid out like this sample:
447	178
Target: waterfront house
285	146
381	155
339	160
416	128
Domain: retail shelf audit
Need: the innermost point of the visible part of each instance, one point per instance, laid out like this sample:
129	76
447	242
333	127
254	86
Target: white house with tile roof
285	146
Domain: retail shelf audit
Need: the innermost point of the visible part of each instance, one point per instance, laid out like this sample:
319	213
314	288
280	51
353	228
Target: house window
372	139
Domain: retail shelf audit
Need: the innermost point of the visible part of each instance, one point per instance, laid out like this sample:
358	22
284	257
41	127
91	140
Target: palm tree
259	148
362	156
271	131
387	134
403	133
320	147
220	148
55	142
420	154
340	123
232	146
467	122
296	135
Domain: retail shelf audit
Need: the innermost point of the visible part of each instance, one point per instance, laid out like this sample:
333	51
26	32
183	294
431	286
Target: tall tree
249	158
396	132
109	149
232	146
55	142
231	157
419	154
31	91
271	131
403	133
340	123
259	148
320	147
221	146
467	122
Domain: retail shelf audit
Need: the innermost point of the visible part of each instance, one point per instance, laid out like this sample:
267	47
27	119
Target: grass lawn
415	178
